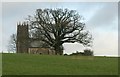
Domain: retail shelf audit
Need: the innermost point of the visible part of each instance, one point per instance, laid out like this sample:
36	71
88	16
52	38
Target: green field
33	64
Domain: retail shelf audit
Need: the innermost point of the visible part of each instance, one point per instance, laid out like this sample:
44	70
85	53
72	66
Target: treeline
87	52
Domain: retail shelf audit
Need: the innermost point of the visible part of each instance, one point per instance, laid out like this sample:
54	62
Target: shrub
88	52
65	54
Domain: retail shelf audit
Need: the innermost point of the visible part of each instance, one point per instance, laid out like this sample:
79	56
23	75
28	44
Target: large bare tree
57	26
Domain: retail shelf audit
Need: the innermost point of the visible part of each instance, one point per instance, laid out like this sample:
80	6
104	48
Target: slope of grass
33	64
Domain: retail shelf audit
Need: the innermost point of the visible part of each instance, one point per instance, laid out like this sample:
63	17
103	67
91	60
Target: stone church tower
22	38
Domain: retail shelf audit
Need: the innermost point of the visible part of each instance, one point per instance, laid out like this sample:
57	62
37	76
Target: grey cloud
105	16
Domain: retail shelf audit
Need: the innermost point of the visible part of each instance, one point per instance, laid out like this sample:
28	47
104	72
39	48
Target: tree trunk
58	50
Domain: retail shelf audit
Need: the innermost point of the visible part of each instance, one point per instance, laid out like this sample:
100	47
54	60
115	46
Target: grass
33	64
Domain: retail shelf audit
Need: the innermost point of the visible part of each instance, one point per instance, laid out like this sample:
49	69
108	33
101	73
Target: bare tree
12	43
58	26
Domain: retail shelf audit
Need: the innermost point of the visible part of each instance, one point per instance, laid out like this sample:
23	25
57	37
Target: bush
88	52
65	54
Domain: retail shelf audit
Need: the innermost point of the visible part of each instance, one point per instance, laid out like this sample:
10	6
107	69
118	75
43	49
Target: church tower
22	38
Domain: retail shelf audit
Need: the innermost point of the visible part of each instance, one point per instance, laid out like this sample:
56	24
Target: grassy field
33	64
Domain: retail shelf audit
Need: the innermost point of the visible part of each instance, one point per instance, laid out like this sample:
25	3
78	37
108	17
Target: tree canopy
57	26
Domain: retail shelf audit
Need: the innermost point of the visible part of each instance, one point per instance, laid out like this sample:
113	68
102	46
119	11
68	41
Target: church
26	44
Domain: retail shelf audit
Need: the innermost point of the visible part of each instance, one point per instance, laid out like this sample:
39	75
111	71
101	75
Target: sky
101	20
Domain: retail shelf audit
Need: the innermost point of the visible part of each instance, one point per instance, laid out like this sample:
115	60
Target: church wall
44	51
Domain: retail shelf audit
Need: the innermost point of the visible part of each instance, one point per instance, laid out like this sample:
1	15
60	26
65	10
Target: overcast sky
101	20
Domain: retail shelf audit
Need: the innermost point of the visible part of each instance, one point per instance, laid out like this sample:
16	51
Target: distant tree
12	43
88	52
57	26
